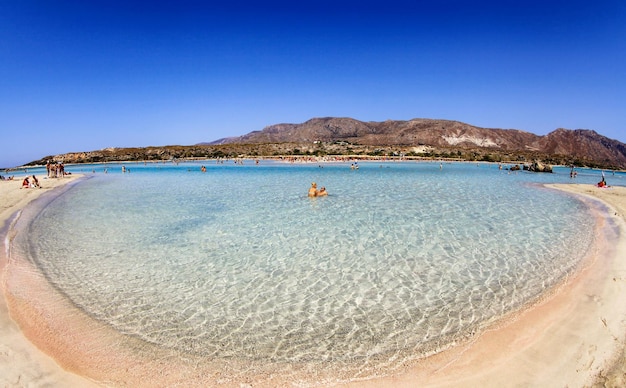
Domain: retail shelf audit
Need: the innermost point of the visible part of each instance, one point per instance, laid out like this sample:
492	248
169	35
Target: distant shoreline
313	159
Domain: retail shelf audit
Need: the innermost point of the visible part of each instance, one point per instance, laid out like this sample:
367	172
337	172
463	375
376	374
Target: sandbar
575	336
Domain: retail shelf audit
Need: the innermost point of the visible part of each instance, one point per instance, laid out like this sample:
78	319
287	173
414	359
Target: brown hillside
420	138
579	145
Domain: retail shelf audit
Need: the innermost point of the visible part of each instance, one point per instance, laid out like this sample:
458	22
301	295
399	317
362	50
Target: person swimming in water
314	192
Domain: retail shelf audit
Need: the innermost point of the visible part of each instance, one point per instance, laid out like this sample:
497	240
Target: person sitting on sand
35	182
25	183
602	183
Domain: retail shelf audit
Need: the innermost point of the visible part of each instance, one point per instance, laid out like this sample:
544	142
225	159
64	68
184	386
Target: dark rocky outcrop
538	166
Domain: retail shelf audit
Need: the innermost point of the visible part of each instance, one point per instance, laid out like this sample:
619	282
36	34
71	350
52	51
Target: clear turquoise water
399	260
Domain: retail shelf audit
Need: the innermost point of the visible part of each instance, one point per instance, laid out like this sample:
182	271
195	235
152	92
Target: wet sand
573	337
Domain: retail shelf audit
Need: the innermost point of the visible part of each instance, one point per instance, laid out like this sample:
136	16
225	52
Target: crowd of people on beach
56	170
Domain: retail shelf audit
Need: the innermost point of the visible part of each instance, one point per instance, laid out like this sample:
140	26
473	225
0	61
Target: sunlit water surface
236	262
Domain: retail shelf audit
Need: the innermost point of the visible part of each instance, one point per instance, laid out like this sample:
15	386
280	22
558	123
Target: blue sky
86	75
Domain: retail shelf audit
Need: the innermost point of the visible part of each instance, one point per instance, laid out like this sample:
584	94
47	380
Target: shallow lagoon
237	263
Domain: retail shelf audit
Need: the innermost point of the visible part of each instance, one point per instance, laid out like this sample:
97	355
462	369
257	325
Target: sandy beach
575	336
21	363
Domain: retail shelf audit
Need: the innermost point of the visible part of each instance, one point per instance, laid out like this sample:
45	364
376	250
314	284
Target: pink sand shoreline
573	337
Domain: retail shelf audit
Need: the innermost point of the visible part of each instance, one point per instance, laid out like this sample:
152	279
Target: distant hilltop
582	145
417	138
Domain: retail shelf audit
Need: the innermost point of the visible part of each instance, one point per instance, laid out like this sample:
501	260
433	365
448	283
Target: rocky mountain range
417	138
580	146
